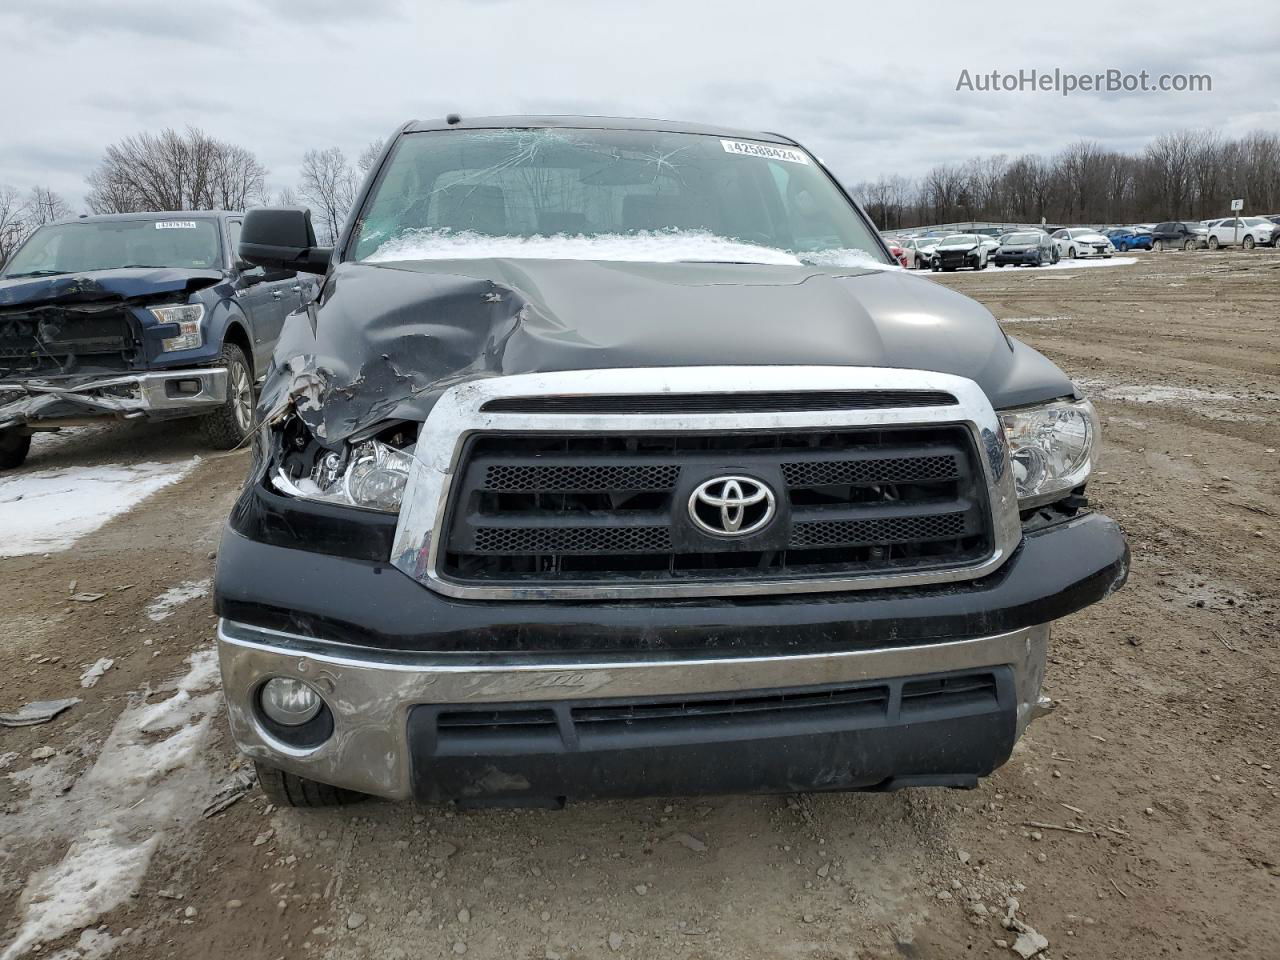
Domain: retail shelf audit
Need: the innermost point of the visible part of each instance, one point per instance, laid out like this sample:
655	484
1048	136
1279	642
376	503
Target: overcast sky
869	87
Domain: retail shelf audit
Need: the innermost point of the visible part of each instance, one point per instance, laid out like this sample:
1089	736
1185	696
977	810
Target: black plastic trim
847	744
1056	571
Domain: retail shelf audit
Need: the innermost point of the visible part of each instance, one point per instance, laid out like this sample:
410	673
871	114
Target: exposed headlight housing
1052	448
186	317
370	475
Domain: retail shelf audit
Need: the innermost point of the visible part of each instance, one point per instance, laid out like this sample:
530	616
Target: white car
989	243
1076	242
919	251
1246	231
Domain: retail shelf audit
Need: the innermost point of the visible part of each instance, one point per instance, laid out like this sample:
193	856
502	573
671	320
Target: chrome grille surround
458	415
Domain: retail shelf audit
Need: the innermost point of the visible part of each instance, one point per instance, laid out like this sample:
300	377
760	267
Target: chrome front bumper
371	693
127	395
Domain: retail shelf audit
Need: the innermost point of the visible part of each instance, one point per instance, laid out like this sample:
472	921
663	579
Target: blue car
1127	238
133	315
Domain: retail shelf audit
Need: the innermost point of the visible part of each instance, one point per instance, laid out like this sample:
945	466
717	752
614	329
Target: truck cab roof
155	215
591	123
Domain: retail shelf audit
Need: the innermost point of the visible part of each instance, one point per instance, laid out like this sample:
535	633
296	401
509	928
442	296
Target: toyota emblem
732	506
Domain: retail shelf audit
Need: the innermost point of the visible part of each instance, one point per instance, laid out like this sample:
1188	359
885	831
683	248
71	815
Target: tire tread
290	790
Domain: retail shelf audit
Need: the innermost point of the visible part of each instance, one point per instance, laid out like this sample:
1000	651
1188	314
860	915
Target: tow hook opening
184	388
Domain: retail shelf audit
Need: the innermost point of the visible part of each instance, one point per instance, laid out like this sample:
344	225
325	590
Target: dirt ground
1141	819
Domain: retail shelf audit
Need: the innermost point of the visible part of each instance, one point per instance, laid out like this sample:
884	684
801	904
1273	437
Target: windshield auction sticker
175	224
767	150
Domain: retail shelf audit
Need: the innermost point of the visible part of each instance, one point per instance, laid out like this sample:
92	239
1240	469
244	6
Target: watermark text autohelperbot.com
1066	83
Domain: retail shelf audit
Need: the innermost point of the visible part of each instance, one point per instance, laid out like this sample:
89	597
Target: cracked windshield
608	195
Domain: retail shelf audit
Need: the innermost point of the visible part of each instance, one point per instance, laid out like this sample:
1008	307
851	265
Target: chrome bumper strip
147	393
371	694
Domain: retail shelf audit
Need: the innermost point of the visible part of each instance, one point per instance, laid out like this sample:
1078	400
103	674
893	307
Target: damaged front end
81	347
344	400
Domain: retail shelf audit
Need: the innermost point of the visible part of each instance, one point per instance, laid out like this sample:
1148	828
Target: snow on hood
646	246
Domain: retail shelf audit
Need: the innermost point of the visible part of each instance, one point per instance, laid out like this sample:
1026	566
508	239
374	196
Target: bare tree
369	156
1182	174
13	223
174	171
328	186
44	206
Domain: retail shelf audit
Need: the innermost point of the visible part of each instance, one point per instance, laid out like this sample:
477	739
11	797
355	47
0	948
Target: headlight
187	317
1052	448
371	475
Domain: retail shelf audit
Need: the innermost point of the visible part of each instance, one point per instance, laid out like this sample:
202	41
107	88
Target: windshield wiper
148	266
34	273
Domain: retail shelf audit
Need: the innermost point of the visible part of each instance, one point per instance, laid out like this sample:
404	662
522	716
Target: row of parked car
1030	248
1035	247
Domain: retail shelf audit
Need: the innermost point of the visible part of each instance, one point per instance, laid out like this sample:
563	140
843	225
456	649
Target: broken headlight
369	474
186	317
1052	447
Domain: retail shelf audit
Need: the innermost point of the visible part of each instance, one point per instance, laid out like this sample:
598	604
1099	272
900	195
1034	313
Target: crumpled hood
386	339
123	284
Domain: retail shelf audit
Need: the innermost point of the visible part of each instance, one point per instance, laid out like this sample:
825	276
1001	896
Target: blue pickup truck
136	315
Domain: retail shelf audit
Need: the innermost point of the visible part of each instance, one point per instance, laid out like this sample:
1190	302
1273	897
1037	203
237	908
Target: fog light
289	703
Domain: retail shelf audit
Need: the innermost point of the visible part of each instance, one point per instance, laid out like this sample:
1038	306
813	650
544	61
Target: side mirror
282	239
250	273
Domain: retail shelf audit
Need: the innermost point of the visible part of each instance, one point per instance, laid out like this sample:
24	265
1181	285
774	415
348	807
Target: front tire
1157	246
290	790
1189	245
227	427
1072	254
14	447
1248	243
1213	243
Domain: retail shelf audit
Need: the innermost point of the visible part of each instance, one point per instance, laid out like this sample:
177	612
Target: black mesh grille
818	473
532	540
551	508
581	478
830	533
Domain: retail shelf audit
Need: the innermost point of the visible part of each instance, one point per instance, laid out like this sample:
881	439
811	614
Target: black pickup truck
136	315
617	458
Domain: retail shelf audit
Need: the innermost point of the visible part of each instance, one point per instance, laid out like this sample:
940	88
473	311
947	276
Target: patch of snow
92	945
646	246
163	606
1154	393
1032	319
1067	265
95	672
97	874
138	787
1210	404
47	510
